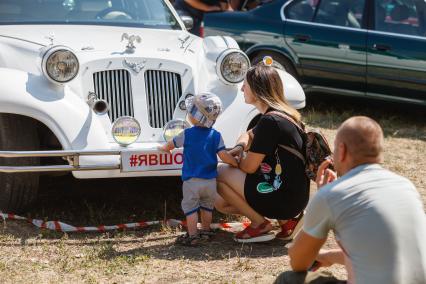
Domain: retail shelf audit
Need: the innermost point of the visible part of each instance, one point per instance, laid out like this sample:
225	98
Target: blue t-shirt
200	148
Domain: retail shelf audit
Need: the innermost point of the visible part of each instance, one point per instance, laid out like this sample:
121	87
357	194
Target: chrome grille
114	87
163	90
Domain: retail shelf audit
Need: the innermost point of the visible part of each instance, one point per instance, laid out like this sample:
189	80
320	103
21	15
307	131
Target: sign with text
151	160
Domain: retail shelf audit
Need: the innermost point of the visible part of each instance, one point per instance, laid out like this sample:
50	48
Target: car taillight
202	29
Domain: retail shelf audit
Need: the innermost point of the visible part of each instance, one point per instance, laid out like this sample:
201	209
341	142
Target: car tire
280	62
18	190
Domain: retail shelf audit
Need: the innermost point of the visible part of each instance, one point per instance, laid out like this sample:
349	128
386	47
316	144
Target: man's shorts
198	194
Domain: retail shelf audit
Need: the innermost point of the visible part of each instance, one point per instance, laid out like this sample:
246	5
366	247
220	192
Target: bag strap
295	152
288	118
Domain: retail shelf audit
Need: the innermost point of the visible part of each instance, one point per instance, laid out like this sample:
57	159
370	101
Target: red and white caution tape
63	227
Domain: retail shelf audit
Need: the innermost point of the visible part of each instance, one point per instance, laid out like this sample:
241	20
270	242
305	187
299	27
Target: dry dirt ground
30	255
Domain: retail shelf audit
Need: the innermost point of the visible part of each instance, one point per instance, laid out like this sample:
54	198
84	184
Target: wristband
241	145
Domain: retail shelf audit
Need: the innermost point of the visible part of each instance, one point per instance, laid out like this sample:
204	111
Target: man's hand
304	250
324	174
323	258
327	258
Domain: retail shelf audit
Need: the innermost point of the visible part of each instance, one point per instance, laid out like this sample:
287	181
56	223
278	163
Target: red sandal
255	234
291	228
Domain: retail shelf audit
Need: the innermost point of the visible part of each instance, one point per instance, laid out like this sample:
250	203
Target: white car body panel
25	90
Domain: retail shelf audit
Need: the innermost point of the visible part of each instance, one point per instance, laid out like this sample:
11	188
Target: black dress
279	189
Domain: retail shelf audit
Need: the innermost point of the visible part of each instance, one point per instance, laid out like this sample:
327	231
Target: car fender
293	91
57	107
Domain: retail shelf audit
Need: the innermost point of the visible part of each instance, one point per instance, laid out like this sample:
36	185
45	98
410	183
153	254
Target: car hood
94	42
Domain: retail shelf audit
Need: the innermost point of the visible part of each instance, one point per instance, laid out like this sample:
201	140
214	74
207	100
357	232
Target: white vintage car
88	86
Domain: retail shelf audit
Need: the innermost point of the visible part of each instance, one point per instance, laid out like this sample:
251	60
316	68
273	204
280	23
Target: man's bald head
363	138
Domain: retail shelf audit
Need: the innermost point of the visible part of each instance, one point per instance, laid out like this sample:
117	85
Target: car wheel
18	190
280	62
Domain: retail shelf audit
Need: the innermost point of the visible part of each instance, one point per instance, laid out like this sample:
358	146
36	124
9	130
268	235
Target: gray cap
204	107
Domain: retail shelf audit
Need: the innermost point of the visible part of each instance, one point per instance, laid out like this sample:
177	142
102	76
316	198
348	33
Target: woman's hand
243	143
324	174
237	151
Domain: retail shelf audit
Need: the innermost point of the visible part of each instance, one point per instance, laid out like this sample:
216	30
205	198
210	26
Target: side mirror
187	21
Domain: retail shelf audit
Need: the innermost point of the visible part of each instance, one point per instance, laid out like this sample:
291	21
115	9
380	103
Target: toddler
201	146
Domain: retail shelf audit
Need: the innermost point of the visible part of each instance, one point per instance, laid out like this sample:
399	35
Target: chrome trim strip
25	40
328	26
283	8
310	88
57	168
164	93
169	91
225	40
395	34
155	94
70	155
57	153
148	90
124	99
395	98
336	91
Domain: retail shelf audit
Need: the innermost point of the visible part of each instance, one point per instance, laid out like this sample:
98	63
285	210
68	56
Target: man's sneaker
291	228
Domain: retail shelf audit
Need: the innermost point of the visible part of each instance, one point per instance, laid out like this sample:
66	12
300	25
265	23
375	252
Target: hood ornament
183	39
131	41
51	38
135	66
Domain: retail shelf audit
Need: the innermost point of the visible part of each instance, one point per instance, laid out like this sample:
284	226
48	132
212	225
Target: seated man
377	216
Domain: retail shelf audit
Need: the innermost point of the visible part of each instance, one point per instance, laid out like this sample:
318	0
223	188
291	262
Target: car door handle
302	38
381	47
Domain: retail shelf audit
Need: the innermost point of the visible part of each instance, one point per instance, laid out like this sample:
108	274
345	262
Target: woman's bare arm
201	6
228	158
245	140
251	162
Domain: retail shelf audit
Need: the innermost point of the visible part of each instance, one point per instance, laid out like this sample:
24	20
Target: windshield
145	13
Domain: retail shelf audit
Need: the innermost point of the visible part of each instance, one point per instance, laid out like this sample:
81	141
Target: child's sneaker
187	240
207	234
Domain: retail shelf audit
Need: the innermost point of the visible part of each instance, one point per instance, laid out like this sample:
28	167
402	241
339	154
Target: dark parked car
370	48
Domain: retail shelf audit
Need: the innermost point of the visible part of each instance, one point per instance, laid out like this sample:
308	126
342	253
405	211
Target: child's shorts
198	194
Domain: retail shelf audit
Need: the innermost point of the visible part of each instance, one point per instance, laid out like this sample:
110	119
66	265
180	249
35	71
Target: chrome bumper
73	157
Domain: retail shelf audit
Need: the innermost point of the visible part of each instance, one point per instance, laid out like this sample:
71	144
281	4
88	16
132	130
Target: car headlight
232	66
60	64
125	130
173	128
